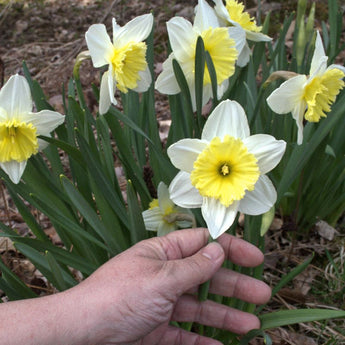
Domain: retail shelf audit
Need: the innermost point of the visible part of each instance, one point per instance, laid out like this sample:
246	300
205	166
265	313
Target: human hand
132	298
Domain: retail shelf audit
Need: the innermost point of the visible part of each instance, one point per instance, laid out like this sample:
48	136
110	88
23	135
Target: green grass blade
11	284
136	223
290	317
90	215
72	151
133	171
213	76
28	218
253	334
199	80
55	268
186	120
41	264
65	257
287	278
70	226
97	173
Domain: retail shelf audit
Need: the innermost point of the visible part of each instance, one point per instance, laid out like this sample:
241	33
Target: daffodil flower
19	127
309	97
232	15
125	56
164	216
225	171
183	38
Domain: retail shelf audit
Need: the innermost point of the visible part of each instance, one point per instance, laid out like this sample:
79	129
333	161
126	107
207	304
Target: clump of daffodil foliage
228	150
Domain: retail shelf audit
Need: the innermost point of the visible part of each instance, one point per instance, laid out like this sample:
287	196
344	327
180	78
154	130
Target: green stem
203	288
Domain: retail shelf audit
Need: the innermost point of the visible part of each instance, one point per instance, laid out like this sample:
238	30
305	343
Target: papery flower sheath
309	97
20	128
125	57
164	216
183	38
225	171
232	15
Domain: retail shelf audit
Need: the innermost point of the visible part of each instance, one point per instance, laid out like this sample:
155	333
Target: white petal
183	193
184	153
15	97
227	118
45	121
266	149
257	36
166	82
205	17
319	60
164	228
116	27
135	30
181	36
218	217
3	114
106	94
221	88
99	44
207	94
145	81
261	199
221	10
244	56
239	36
164	197
342	68
284	99
14	170
111	85
152	218
298	115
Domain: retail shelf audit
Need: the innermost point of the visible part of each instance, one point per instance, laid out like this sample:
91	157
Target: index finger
240	252
183	243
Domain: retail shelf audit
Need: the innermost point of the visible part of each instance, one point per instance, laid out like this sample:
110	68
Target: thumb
183	274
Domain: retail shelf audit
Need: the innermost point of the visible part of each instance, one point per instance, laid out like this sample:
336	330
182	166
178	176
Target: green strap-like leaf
290	317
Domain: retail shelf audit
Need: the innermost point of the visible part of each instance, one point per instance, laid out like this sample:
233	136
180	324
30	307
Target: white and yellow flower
232	15
19	127
164	216
225	171
183	38
125	56
309	97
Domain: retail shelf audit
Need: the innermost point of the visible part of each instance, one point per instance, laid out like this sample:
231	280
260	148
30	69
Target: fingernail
213	251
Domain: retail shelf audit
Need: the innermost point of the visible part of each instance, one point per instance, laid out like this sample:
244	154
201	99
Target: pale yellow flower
164	216
225	171
309	97
125	57
233	15
183	38
20	128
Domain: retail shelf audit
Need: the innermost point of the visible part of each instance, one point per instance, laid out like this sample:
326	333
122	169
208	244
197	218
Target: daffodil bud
78	61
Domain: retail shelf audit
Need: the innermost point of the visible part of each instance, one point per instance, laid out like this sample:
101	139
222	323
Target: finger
209	313
233	284
240	252
181	275
183	243
174	335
